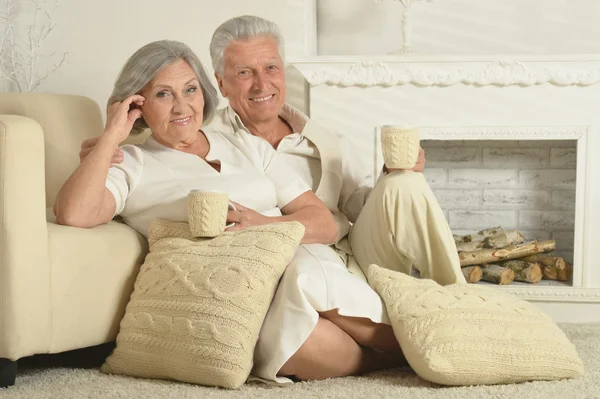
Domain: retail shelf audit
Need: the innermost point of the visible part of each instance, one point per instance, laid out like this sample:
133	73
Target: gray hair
240	28
147	62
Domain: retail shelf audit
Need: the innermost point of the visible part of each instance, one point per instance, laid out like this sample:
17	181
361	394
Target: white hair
240	28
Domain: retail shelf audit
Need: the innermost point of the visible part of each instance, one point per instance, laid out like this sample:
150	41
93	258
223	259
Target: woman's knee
324	354
308	353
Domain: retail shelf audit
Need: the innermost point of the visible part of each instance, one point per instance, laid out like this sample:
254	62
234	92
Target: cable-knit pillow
198	304
463	334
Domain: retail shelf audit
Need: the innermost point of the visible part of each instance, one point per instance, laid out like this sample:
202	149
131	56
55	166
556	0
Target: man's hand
419	165
244	218
88	145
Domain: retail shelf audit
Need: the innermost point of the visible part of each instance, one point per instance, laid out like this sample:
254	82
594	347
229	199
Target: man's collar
295	118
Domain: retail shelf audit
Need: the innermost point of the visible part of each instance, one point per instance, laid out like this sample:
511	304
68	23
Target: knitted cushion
464	334
198	303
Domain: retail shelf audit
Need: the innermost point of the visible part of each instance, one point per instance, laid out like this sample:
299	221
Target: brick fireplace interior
523	185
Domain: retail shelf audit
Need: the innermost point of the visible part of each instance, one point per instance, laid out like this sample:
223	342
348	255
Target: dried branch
23	64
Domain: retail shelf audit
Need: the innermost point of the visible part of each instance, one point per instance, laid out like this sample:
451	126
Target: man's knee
403	181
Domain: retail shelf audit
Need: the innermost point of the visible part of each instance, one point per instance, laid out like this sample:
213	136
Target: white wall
100	35
461	26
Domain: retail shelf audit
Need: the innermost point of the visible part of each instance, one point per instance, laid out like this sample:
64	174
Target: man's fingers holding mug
420	165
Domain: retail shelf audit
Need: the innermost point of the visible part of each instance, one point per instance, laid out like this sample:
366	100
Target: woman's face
174	104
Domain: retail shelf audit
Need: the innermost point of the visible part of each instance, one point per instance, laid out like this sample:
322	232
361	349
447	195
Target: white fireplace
543	113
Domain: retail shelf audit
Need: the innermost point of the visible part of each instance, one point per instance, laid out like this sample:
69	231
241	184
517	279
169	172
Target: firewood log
504	239
469	246
479	236
553	267
491	235
472	274
489	255
524	271
565	275
498	275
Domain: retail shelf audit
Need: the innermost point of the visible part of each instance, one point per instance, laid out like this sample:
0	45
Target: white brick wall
528	185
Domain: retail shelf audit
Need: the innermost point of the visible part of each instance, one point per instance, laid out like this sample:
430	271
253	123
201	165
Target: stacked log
501	257
553	268
498	274
472	274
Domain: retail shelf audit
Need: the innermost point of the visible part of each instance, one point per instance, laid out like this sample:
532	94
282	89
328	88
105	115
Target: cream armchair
61	288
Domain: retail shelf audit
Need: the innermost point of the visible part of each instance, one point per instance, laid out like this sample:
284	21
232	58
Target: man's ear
220	84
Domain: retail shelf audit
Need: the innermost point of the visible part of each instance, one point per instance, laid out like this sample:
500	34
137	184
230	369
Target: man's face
254	79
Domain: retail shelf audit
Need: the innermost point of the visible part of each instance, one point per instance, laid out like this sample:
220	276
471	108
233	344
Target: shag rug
76	375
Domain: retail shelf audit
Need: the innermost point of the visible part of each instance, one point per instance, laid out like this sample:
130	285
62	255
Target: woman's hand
419	165
119	122
121	116
245	217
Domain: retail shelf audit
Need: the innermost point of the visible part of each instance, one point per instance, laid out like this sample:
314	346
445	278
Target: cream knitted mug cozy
207	212
400	146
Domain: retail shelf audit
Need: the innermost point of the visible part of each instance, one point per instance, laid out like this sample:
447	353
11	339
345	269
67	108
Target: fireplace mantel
423	71
499	97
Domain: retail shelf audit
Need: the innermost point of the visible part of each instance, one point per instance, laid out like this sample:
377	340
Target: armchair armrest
93	272
24	275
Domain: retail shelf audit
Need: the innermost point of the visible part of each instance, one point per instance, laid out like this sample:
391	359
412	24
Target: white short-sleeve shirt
154	180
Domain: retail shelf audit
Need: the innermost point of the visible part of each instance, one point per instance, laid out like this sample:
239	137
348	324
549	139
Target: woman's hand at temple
121	116
119	122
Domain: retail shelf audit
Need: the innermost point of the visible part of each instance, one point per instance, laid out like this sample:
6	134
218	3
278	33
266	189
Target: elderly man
396	224
325	320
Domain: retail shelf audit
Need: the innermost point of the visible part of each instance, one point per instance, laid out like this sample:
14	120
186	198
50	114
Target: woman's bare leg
366	332
330	352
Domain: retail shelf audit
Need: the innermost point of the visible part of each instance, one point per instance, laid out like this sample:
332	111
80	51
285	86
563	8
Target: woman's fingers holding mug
233	216
244	218
237	207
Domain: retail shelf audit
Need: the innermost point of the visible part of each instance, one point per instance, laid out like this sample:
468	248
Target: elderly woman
163	86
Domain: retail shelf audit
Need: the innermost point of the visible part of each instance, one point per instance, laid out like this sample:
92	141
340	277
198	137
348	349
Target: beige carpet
76	375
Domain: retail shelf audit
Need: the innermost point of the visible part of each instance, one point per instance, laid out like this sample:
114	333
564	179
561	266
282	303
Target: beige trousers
402	225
